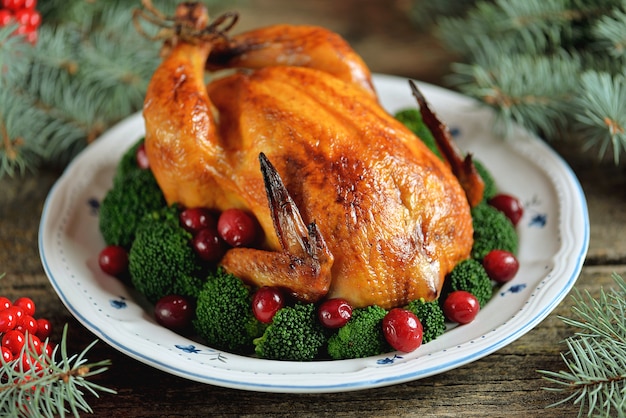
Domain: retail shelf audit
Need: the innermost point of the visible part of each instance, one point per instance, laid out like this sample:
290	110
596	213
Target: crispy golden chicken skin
350	202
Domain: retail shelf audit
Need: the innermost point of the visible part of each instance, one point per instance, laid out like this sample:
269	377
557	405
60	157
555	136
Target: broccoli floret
295	334
470	275
135	192
431	316
161	260
362	336
492	230
224	317
412	119
490	183
128	162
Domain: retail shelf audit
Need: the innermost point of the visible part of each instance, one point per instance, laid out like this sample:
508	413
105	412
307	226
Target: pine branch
531	26
89	69
52	386
548	65
609	30
595	359
602	112
533	91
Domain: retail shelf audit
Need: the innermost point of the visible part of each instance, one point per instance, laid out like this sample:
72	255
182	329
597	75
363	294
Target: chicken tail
462	167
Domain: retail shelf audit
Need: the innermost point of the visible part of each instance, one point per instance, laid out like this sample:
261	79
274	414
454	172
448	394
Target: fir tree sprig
554	66
595	359
52	386
89	70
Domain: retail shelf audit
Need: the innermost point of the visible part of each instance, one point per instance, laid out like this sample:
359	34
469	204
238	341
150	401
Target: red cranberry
334	313
173	312
142	157
237	227
208	245
509	205
266	302
501	266
461	307
113	260
402	330
196	219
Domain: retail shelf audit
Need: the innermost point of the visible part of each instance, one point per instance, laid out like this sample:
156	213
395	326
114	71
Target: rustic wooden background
504	384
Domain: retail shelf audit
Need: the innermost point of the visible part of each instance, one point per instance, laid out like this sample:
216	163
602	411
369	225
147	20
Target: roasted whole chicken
350	202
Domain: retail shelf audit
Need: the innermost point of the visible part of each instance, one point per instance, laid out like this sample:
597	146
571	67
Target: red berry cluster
19	327
24	14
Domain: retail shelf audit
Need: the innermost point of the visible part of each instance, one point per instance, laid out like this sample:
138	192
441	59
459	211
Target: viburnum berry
14	341
17	312
44	329
5	303
26	304
28	18
7	355
27	324
13	5
24	15
6	17
8	320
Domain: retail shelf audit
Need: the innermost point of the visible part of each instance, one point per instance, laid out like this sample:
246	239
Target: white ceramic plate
554	234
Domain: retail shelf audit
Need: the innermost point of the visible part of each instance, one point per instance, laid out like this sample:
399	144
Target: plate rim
366	383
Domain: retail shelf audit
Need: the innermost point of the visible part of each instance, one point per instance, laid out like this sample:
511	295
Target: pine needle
595	359
602	112
55	389
555	67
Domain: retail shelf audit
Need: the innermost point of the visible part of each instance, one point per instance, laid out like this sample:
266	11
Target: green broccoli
492	230
135	192
224	317
362	336
412	119
491	189
295	334
470	275
161	260
431	316
128	162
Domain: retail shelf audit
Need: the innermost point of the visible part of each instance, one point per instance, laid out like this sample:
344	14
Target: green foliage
224	317
295	334
491	188
470	275
89	69
492	231
529	60
161	260
58	389
431	316
595	360
362	336
135	193
412	119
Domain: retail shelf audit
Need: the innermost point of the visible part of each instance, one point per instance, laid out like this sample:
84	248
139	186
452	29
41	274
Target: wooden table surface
504	383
